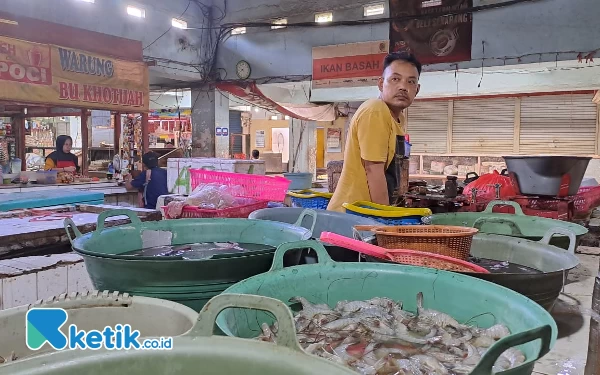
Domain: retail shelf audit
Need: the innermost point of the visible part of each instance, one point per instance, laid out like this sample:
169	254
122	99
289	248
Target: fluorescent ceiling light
282	21
238	31
324	17
374	9
136	12
89	1
8	22
180	24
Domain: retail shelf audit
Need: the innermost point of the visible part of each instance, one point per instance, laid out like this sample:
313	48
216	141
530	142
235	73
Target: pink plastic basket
253	186
241	212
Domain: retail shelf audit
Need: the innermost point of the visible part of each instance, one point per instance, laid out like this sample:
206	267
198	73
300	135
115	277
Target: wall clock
243	70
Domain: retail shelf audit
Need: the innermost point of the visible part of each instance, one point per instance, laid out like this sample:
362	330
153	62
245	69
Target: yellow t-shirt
372	137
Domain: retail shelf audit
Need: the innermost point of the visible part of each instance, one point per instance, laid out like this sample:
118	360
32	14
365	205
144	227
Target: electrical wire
170	27
468	10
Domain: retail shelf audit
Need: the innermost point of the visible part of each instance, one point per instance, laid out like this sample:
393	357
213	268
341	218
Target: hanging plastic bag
486	187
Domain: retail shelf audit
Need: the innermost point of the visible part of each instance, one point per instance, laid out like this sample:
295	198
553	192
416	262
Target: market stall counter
114	193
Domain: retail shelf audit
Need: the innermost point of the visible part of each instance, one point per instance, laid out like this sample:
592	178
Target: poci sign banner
435	39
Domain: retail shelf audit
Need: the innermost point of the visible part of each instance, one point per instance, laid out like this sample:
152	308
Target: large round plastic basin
96	310
465	298
198	352
515	225
190	282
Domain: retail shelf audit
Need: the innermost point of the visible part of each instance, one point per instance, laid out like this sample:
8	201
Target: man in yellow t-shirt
375	142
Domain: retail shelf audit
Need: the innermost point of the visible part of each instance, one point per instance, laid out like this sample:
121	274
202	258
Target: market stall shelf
26	280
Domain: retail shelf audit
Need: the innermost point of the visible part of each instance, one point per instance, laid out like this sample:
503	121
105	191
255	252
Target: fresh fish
483	342
373	312
377	337
347	307
514	356
438	318
496	332
408	367
444	357
341	323
462	369
430	365
473	356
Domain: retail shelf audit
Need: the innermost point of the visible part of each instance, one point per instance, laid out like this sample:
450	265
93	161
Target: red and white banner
348	65
249	92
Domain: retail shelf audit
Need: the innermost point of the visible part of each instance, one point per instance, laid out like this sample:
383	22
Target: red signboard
348	65
441	36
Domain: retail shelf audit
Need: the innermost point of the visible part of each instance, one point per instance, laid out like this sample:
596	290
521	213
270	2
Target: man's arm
377	182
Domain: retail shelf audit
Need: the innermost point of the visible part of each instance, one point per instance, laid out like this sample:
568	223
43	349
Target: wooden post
84	141
145	139
592	366
117	133
20	138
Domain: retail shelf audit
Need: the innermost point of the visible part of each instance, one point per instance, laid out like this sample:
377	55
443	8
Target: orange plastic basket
445	240
431	260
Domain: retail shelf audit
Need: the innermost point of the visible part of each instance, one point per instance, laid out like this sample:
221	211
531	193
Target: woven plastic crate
310	199
445	240
386	214
251	186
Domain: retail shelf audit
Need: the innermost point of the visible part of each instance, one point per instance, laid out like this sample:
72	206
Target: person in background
255	154
4	165
152	182
375	147
62	160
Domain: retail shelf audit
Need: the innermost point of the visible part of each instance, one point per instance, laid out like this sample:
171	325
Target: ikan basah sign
48	74
348	65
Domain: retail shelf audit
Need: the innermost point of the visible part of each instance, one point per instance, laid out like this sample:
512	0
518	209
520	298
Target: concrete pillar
210	110
222	121
303	146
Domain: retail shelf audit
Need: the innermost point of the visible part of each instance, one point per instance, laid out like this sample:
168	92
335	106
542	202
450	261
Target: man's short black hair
255	154
404	56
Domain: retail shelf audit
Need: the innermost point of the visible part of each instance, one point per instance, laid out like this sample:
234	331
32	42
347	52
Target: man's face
399	84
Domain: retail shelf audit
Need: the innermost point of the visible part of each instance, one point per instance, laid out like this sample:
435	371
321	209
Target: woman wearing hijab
62	160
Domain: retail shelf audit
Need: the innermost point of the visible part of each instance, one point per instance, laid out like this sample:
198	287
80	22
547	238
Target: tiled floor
572	314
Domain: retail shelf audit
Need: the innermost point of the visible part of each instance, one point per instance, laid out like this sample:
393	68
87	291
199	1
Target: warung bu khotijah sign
47	74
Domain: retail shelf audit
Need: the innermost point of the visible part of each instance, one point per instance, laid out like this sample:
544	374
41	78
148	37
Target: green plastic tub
190	282
465	298
197	352
515	225
96	310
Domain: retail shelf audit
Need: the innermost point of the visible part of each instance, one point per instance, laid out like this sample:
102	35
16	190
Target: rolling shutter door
428	126
558	124
235	127
483	126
